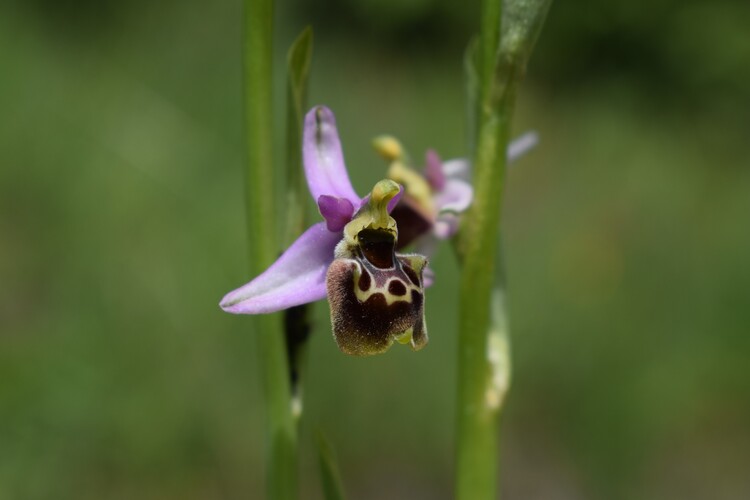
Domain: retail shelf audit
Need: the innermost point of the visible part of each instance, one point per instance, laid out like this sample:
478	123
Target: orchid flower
376	296
434	199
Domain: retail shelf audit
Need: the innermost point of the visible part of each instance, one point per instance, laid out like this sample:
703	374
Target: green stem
476	461
483	350
280	428
297	324
477	395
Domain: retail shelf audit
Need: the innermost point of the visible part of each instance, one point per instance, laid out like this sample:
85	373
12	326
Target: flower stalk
498	65
263	247
297	323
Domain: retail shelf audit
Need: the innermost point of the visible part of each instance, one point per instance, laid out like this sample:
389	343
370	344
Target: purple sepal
297	277
323	159
336	211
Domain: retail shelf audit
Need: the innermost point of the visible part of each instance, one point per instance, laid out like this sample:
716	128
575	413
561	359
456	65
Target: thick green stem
483	350
280	428
478	400
476	460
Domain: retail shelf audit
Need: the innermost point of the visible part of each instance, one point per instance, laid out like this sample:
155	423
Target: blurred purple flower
434	199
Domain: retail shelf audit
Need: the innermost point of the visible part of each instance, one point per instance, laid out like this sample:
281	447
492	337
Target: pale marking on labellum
374	289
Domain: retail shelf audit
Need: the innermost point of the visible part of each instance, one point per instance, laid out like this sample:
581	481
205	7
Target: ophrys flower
376	295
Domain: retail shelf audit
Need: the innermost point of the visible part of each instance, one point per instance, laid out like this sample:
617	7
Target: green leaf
298	68
298	60
522	22
330	478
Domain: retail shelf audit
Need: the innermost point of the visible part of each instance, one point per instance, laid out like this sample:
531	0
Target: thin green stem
483	351
297	324
280	428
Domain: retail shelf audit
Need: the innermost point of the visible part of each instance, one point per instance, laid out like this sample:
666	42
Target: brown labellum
376	295
391	308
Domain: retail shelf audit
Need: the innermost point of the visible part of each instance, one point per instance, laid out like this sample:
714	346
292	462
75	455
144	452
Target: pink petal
458	168
446	225
456	197
336	211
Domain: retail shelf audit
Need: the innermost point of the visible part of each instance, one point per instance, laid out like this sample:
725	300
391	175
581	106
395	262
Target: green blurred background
121	226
